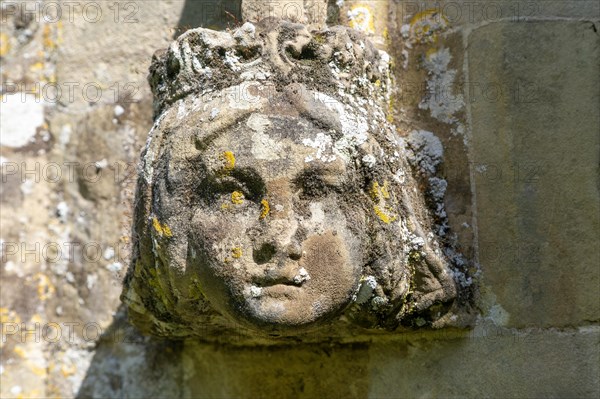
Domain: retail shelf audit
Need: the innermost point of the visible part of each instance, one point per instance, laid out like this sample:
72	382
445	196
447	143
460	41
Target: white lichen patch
182	111
441	99
75	363
498	315
91	281
22	114
115	267
427	151
263	146
119	110
324	148
361	18
108	253
62	211
437	188
302	276
254	291
247	100
369	160
317	214
367	287
248	29
27	187
354	127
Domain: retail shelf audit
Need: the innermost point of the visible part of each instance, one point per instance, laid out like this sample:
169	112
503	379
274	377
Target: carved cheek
329	265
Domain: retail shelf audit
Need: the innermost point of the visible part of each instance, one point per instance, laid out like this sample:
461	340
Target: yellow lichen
319	38
426	24
39	371
237	198
45	288
379	192
67	370
4	44
38	66
425	14
390	110
361	18
229	161
385	218
47	39
9	316
161	229
265	209
384	190
224	206
375	196
19	351
236	252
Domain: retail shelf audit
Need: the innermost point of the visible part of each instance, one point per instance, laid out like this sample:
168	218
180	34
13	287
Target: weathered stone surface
491	362
110	52
309	12
267	196
535	148
488	362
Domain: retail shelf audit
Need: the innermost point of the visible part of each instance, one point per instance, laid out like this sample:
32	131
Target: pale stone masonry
510	90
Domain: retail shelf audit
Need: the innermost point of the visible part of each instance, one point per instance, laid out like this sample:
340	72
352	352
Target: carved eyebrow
252	181
243	179
318	177
321	170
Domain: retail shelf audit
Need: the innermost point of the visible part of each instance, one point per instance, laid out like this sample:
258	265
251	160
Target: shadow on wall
211	14
129	365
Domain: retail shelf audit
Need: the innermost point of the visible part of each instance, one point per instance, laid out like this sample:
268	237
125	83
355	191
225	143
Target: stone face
269	197
535	146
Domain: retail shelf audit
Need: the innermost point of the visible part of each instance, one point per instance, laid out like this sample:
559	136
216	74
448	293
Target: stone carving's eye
243	180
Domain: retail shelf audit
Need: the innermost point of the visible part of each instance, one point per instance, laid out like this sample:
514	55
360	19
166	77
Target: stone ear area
336	243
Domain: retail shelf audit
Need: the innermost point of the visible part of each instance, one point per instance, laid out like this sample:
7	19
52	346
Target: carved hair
202	61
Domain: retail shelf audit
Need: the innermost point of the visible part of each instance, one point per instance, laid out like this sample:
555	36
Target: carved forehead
296	125
275	145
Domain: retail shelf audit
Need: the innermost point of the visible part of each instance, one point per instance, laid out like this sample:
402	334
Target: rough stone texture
492	362
542	361
267	196
536	157
308	12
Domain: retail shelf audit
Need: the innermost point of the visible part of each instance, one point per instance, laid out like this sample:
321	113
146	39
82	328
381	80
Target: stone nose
294	250
265	252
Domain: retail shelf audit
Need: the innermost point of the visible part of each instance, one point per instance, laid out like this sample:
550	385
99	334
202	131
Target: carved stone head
275	197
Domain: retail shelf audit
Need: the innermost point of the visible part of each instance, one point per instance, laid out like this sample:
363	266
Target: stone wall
512	90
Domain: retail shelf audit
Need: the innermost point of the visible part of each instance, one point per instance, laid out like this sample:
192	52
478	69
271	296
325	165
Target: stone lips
332	61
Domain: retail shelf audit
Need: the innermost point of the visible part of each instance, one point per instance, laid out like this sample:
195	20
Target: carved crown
338	61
